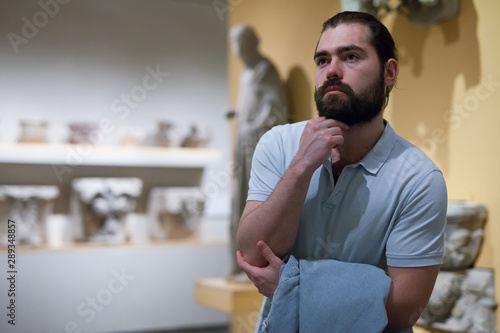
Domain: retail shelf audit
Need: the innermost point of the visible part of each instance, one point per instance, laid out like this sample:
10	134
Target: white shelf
127	156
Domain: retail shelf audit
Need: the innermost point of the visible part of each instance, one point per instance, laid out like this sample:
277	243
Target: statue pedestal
241	300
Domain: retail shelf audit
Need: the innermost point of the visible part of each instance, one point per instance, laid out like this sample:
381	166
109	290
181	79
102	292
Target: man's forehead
345	34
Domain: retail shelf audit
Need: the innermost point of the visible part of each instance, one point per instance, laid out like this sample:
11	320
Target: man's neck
359	139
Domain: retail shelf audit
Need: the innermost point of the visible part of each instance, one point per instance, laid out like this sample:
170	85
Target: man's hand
320	136
264	278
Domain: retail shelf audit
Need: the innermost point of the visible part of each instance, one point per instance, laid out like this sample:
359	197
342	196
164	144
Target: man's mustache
334	83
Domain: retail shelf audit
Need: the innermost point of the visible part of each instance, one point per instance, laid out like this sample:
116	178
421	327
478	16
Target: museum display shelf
83	246
241	300
95	155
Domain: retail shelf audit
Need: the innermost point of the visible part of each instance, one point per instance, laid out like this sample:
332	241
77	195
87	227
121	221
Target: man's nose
333	70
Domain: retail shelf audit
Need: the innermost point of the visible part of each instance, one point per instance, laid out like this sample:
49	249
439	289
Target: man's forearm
410	291
275	221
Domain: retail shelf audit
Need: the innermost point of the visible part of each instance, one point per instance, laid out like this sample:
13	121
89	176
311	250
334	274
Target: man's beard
350	108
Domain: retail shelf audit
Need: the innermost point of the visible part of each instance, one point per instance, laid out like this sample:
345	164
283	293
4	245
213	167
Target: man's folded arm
276	220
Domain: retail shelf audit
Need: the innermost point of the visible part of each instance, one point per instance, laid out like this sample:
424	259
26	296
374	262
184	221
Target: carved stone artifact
33	130
81	133
132	135
167	135
29	207
261	105
464	234
100	207
463	299
419	12
175	212
198	137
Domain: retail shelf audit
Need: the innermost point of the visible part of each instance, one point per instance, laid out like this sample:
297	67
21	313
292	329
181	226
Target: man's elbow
249	250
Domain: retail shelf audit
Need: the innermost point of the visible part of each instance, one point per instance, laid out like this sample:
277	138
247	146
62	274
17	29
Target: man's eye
351	57
320	61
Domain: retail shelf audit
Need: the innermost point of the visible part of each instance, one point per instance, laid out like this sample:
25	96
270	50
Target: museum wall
124	64
446	99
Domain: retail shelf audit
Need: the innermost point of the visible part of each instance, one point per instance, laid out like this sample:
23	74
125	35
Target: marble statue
100	207
261	105
29	207
33	130
175	212
463	299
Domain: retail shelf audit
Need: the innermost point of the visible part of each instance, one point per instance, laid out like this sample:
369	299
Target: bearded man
344	187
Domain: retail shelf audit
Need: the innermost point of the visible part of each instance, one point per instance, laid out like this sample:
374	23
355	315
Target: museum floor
218	329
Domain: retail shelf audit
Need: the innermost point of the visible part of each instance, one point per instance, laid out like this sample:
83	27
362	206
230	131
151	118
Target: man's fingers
331	123
267	253
336	123
241	261
245	266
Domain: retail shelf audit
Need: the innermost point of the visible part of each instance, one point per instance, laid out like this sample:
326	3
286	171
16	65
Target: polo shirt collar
376	157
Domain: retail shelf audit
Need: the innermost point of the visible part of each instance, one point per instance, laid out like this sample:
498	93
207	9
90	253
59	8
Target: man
344	186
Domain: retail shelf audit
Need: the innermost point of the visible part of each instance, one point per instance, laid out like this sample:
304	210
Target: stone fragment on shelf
132	135
100	207
83	132
167	135
463	299
175	212
33	131
29	207
198	137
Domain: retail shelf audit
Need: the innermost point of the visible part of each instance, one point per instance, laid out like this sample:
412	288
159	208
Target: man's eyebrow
320	54
340	49
351	47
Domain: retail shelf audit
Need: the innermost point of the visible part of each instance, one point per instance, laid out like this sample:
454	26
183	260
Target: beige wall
446	100
288	31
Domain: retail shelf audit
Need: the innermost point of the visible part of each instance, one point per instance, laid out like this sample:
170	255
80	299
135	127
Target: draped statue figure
260	106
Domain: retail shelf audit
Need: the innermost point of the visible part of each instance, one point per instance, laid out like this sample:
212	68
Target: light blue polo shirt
387	210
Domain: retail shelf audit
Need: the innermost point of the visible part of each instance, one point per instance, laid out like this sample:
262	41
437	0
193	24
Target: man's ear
391	70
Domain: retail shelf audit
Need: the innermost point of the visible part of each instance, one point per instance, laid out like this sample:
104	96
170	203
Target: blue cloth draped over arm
328	296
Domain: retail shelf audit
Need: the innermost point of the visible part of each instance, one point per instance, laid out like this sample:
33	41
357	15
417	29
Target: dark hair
380	37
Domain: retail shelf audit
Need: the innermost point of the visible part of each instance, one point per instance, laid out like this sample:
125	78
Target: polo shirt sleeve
267	166
417	238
